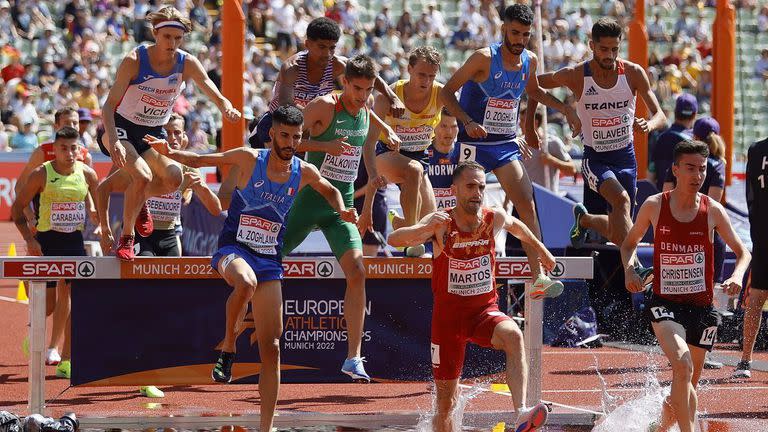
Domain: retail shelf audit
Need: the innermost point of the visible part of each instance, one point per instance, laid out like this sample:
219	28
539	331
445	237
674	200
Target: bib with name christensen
62	201
683	256
607	115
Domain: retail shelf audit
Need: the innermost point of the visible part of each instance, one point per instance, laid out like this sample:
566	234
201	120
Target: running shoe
64	369
711	364
151	392
354	368
654	426
533	419
544	287
144	225
578	234
415	251
52	357
743	370
222	371
124	250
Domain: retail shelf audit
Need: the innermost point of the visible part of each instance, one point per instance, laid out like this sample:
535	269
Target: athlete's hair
607	27
67	132
288	114
463	166
177	117
323	29
360	66
716	145
687	146
62	112
169	13
426	53
520	13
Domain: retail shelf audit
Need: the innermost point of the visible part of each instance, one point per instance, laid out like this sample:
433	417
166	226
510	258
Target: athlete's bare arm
36	159
476	68
204	194
92	179
537	93
194	69
642	86
318	116
126	72
502	220
569	77
431	226
287	79
397	107
718	218
241	156
647	215
34	186
311	177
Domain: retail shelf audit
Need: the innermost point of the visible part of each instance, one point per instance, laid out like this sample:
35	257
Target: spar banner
168	331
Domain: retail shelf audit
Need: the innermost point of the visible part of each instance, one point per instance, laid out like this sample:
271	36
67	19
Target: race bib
470	277
414	138
342	168
611	133
444	198
165	208
258	234
682	273
501	116
67	217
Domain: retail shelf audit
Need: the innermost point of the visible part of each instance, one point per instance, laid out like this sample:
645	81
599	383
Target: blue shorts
596	171
420	157
133	133
259	136
266	269
490	156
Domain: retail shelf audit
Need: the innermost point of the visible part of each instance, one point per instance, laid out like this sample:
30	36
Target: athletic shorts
259	137
131	132
490	156
54	243
265	269
596	171
310	211
759	272
159	243
700	322
453	327
379	211
420	157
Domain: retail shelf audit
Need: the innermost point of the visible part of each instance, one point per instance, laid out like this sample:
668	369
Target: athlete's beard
605	64
514	49
284	153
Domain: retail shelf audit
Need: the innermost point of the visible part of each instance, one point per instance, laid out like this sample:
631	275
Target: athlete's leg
518	188
408	174
267	301
166	174
753	316
508	338
61	312
428	203
354	299
446	399
671	337
619	217
240	276
140	175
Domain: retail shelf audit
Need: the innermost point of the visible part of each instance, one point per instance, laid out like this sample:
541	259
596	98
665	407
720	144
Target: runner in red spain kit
680	305
464	289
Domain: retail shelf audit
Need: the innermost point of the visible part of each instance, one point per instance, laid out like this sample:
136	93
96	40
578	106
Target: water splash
465	395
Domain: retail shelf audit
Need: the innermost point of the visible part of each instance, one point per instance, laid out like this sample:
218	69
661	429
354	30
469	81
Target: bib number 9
467	153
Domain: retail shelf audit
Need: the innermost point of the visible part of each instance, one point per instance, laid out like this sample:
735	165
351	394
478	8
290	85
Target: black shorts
759	269
131	132
379	211
421	157
700	322
54	243
159	243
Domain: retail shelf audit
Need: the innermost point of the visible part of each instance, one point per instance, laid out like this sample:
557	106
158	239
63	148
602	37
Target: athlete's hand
193	179
118	154
731	286
397	107
377	182
106	241
349	215
34	248
641	125
525	150
532	139
160	145
365	222
475	130
231	114
546	259
632	281
394	140
438	224
574	122
337	146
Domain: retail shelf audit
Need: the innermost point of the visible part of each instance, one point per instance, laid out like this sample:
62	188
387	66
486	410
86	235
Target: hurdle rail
40	269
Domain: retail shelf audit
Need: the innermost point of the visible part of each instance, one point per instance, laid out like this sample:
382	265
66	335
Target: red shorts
452	327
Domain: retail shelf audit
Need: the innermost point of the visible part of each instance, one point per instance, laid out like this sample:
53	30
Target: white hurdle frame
513	269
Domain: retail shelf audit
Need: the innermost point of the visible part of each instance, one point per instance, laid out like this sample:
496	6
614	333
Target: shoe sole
213	377
547	292
577	241
538	419
50	363
742	375
356	378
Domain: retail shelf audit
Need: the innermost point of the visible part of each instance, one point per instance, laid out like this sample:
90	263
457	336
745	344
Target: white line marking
13	300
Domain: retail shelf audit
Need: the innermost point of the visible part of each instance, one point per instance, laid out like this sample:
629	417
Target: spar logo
502	103
443	192
472	264
259	223
48	269
606	122
677	259
299	269
522	269
68	206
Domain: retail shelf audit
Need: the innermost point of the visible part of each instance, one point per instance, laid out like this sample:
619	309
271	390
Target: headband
170	23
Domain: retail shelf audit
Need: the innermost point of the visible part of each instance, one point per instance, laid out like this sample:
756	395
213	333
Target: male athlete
680	305
147	84
606	88
249	255
492	82
464	289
